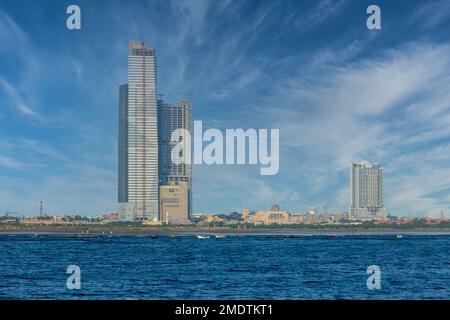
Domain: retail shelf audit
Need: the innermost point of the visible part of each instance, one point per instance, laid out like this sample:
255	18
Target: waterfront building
171	118
138	182
146	125
109	216
366	192
274	215
174	203
245	213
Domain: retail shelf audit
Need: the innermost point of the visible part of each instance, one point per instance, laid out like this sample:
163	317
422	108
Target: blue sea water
235	267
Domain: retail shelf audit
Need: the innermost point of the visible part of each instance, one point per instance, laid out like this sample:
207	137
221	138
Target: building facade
274	215
173	116
366	192
138	183
174	202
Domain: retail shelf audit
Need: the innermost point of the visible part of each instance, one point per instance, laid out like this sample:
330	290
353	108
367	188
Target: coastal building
316	218
214	218
138	184
278	216
274	215
109	216
366	192
145	143
171	118
174	203
245	213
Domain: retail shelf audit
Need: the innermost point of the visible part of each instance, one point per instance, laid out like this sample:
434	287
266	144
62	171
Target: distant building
316	218
366	192
174	203
274	215
110	216
215	218
245	213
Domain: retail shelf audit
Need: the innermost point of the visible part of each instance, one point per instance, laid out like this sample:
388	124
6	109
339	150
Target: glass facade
138	137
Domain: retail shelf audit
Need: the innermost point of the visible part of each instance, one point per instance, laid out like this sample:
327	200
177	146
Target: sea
261	266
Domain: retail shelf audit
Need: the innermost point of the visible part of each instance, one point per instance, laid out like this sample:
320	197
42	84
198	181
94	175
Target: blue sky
337	91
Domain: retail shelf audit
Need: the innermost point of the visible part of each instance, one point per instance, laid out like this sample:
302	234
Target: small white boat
399	236
220	236
202	237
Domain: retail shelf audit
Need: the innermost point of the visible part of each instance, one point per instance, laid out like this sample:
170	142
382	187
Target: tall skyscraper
366	191
138	188
173	116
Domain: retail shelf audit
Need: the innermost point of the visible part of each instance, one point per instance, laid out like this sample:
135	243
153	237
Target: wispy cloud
11	163
17	101
322	10
431	14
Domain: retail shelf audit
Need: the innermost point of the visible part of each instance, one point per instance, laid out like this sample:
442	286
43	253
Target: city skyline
339	93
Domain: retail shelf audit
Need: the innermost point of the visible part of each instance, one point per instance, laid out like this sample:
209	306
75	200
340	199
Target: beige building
245	213
317	218
213	218
174	203
274	215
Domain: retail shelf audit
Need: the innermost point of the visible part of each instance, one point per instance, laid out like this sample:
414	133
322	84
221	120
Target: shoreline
115	231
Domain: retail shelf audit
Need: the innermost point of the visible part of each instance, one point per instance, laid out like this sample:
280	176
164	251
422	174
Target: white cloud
17	101
431	14
318	14
11	163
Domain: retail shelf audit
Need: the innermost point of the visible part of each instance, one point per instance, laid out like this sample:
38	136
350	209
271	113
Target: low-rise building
274	215
174	202
110	216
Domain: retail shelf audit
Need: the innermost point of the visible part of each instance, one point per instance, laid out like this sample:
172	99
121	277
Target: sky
337	91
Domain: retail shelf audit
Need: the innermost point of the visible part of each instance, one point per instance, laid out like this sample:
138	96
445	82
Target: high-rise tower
366	191
138	137
173	116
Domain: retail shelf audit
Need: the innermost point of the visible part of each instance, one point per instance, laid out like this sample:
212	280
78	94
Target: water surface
235	267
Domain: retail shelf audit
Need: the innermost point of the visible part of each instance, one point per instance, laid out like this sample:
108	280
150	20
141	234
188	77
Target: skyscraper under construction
138	137
173	116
